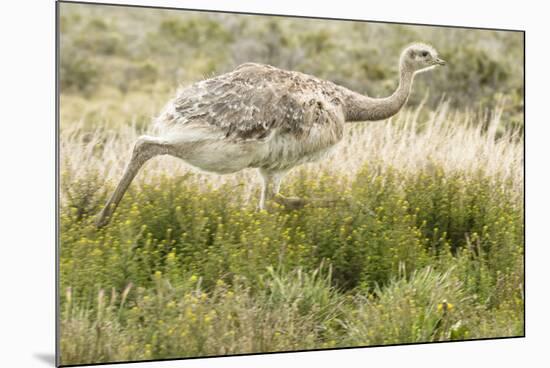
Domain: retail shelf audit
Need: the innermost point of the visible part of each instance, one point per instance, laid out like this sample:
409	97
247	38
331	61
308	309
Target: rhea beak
439	61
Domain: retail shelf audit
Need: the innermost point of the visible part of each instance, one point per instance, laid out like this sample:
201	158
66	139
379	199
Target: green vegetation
425	242
107	47
201	275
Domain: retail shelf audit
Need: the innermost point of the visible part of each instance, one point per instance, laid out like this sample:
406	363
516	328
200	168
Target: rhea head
419	57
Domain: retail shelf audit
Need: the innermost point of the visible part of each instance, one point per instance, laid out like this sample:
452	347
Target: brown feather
256	99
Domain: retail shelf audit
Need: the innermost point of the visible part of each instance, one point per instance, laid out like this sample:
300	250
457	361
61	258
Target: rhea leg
145	148
270	191
271	185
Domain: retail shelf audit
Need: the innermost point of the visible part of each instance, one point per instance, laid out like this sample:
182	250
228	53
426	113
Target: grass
430	212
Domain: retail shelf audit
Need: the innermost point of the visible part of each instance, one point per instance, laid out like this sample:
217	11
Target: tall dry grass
416	139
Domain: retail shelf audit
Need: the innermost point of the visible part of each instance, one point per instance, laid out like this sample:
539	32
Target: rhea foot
294	203
291	203
102	219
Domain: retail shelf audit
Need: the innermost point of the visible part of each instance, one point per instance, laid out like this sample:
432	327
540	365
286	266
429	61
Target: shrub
418	308
78	73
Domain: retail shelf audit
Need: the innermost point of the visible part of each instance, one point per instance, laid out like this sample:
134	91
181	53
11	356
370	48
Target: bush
78	74
419	308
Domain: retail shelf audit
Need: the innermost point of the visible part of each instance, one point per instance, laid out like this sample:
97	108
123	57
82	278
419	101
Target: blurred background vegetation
113	51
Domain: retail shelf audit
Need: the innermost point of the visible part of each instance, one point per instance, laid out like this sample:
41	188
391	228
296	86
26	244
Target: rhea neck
363	108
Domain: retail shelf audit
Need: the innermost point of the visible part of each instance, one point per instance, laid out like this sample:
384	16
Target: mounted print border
237	183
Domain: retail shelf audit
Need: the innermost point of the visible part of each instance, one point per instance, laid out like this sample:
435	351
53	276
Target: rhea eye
424	53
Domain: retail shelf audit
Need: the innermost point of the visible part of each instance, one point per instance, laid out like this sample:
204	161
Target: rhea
259	116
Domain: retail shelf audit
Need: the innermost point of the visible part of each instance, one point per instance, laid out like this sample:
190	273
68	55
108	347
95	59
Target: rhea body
259	116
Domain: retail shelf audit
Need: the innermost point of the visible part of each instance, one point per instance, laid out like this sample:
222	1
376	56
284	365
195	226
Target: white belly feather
209	150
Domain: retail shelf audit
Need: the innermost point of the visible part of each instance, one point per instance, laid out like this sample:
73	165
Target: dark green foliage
78	74
386	222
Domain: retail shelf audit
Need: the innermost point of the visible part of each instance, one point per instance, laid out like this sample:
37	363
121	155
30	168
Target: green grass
184	271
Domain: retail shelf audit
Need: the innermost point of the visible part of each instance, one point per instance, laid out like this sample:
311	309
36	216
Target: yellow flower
193	278
148	350
97	252
444	306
